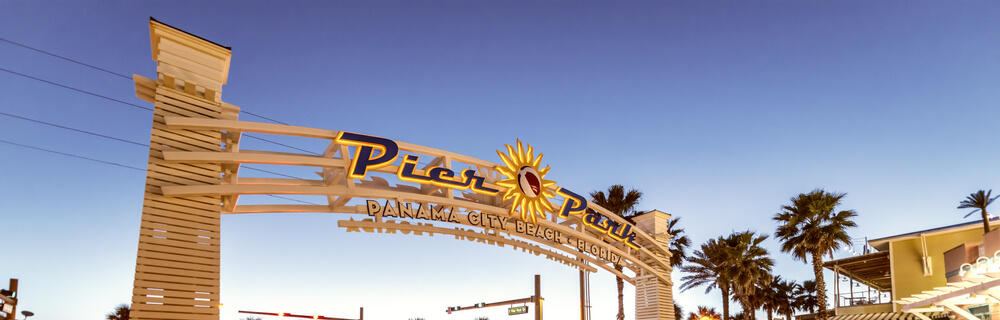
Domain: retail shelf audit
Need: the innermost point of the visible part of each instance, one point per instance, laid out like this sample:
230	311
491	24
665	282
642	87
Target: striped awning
889	316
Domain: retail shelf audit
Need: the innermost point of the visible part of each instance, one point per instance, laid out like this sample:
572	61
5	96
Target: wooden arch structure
194	177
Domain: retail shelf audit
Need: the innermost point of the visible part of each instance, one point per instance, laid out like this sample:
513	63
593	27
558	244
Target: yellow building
921	275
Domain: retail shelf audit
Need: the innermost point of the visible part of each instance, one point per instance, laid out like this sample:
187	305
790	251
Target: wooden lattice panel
653	299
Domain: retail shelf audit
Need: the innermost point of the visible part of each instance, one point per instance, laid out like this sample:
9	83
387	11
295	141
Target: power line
138	106
280	144
129	167
65	58
115	73
271	172
126	141
122	102
121	140
68	128
72	155
77	90
126	103
296	200
263	117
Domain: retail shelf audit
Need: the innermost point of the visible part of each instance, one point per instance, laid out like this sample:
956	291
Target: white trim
892	280
919	315
959	311
957	291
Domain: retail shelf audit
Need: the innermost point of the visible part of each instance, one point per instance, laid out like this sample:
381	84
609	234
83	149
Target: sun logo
525	182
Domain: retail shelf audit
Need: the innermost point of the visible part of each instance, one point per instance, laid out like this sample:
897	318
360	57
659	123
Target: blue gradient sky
719	111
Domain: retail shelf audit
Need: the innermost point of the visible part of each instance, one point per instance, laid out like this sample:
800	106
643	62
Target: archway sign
384	185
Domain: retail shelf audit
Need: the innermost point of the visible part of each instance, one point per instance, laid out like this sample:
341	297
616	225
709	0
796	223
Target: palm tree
678	312
622	204
979	200
757	301
707	268
805	296
810	227
784	296
120	313
679	243
766	297
775	298
749	267
704	313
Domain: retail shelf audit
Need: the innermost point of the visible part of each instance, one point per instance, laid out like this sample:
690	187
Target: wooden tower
177	265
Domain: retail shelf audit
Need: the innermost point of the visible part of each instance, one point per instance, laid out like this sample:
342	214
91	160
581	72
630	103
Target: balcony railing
862	298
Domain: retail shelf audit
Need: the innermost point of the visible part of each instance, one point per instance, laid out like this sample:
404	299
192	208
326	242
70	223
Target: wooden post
851	285
836	287
177	268
13	310
583	297
538	297
362	316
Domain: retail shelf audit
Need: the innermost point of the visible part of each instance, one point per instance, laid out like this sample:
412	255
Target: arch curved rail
565	239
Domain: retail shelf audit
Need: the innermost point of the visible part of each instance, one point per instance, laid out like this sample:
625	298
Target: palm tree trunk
621	297
725	301
986	221
791	309
747	309
770	314
817	261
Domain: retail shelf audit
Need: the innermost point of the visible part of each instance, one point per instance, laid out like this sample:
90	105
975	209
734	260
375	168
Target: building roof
870	269
882	244
190	34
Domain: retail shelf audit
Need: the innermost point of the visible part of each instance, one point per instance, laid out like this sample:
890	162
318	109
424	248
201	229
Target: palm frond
622	204
978	200
970	213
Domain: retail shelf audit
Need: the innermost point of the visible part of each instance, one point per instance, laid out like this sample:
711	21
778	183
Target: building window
981	311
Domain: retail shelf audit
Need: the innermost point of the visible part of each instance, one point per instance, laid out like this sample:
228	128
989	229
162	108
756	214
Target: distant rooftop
882	244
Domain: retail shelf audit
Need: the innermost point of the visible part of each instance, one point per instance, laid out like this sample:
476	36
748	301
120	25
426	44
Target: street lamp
27	314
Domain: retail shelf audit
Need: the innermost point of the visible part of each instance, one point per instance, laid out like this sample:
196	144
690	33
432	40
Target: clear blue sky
718	111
